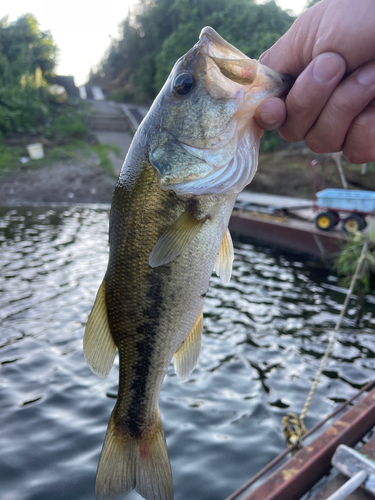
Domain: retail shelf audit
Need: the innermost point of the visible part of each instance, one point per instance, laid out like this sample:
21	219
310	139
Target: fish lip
231	62
209	40
220	144
212	45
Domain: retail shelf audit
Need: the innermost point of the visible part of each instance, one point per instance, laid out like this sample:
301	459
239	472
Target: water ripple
264	336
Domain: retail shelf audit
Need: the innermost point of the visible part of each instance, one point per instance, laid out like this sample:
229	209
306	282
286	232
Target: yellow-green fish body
192	155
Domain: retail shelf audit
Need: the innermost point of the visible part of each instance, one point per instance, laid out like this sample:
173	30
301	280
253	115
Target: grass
369	169
9	158
103	150
96	155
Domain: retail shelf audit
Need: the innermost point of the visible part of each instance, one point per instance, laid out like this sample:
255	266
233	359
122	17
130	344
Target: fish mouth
232	62
212	44
238	67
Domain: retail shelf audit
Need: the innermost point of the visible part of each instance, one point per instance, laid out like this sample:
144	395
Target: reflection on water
264	336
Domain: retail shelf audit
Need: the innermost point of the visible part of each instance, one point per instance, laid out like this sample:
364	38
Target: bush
22	109
67	121
347	261
271	141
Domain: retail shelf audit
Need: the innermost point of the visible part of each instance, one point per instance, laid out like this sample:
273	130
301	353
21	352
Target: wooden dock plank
295	235
359	494
299	474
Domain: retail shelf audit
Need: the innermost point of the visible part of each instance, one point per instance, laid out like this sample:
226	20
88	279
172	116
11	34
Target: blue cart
357	204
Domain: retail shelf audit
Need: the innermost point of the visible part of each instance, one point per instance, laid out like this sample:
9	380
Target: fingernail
367	75
325	68
268	119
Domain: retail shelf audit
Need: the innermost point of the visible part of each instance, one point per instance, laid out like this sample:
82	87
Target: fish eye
183	83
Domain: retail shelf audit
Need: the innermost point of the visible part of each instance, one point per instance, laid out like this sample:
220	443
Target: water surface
264	336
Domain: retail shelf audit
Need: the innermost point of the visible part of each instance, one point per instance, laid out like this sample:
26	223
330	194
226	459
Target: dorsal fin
224	259
186	357
175	239
99	347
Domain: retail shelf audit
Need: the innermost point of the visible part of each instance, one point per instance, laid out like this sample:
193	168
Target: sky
82	30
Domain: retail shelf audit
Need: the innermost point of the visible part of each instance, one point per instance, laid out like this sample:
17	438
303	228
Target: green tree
24	48
310	3
161	31
27	55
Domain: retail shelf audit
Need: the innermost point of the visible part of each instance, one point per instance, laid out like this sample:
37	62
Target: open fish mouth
235	65
238	67
232	62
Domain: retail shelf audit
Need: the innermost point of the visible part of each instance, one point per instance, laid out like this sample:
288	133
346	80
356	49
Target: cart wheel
353	223
337	217
326	220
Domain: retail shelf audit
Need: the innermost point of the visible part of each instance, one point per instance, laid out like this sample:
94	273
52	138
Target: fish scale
193	153
149	306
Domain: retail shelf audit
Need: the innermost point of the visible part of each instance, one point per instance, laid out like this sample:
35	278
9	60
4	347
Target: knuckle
299	105
341	105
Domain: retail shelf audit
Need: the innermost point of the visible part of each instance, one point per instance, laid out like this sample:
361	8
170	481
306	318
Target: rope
293	425
294	429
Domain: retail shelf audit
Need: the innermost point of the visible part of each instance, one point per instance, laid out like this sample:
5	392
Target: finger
359	146
341	26
292	53
310	93
347	101
270	114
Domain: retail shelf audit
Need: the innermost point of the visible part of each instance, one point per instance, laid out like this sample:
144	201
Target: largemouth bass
196	149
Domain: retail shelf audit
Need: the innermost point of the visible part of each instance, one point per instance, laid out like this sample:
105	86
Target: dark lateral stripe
135	418
147	335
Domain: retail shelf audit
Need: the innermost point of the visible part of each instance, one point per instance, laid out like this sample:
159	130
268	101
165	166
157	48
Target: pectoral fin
224	260
99	347
186	358
175	239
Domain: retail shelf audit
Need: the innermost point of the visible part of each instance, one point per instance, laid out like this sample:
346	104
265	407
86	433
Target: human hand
331	50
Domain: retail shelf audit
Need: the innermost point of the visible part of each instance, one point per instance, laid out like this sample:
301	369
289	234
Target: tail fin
127	462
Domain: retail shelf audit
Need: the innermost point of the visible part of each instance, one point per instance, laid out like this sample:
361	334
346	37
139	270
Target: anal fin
99	347
224	260
186	357
175	239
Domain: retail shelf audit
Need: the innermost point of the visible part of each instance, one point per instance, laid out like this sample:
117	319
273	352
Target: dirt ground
287	173
61	182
